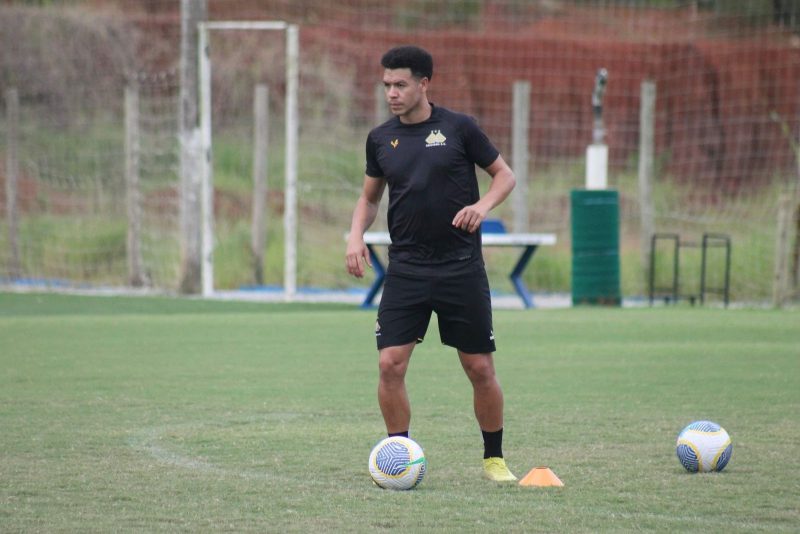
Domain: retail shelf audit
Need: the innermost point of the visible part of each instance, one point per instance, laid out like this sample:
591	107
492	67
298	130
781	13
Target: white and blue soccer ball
704	446
397	463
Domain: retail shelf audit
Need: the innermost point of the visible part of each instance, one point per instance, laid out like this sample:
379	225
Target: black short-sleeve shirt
430	170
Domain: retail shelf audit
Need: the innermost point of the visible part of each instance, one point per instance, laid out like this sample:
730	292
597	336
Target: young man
427	154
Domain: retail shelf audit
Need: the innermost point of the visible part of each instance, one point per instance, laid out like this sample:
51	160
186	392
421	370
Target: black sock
492	444
403	434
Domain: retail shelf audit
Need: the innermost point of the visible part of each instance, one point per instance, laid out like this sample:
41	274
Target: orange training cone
540	476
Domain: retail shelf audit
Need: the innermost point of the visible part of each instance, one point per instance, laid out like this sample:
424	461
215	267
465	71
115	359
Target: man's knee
479	367
393	362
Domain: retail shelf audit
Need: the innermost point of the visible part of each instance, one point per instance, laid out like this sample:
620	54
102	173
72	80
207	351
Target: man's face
404	92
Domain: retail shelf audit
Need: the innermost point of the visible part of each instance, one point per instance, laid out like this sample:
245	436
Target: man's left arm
469	218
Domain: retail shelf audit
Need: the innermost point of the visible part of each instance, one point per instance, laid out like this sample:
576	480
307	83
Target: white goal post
206	175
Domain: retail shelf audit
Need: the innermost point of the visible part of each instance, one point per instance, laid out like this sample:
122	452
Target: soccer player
427	154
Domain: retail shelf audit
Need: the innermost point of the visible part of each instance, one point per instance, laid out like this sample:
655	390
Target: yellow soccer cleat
495	469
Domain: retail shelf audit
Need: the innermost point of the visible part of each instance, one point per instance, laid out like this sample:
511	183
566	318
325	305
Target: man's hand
469	218
356	256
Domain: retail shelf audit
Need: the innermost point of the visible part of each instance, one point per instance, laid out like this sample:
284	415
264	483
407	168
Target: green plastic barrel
595	247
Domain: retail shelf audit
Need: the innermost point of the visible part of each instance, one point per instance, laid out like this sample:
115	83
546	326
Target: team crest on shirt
394	143
436	138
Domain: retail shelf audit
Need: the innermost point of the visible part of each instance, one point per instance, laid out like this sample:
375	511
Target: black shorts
461	300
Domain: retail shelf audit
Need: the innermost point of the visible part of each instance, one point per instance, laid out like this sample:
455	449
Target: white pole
519	152
597	152
192	13
290	194
260	165
132	191
12	176
596	166
780	282
647	112
206	174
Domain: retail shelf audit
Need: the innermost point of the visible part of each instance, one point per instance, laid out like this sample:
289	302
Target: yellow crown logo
394	143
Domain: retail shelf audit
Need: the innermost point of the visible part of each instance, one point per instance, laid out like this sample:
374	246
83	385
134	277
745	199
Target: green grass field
155	414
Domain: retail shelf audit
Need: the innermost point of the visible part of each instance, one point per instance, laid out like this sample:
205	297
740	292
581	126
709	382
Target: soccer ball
704	446
397	463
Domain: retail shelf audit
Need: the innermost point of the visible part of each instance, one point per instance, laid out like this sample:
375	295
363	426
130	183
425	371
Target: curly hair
417	59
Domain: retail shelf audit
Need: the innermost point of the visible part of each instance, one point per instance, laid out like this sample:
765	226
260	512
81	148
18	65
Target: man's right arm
364	215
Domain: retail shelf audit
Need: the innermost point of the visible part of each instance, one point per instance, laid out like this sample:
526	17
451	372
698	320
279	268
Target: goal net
726	124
